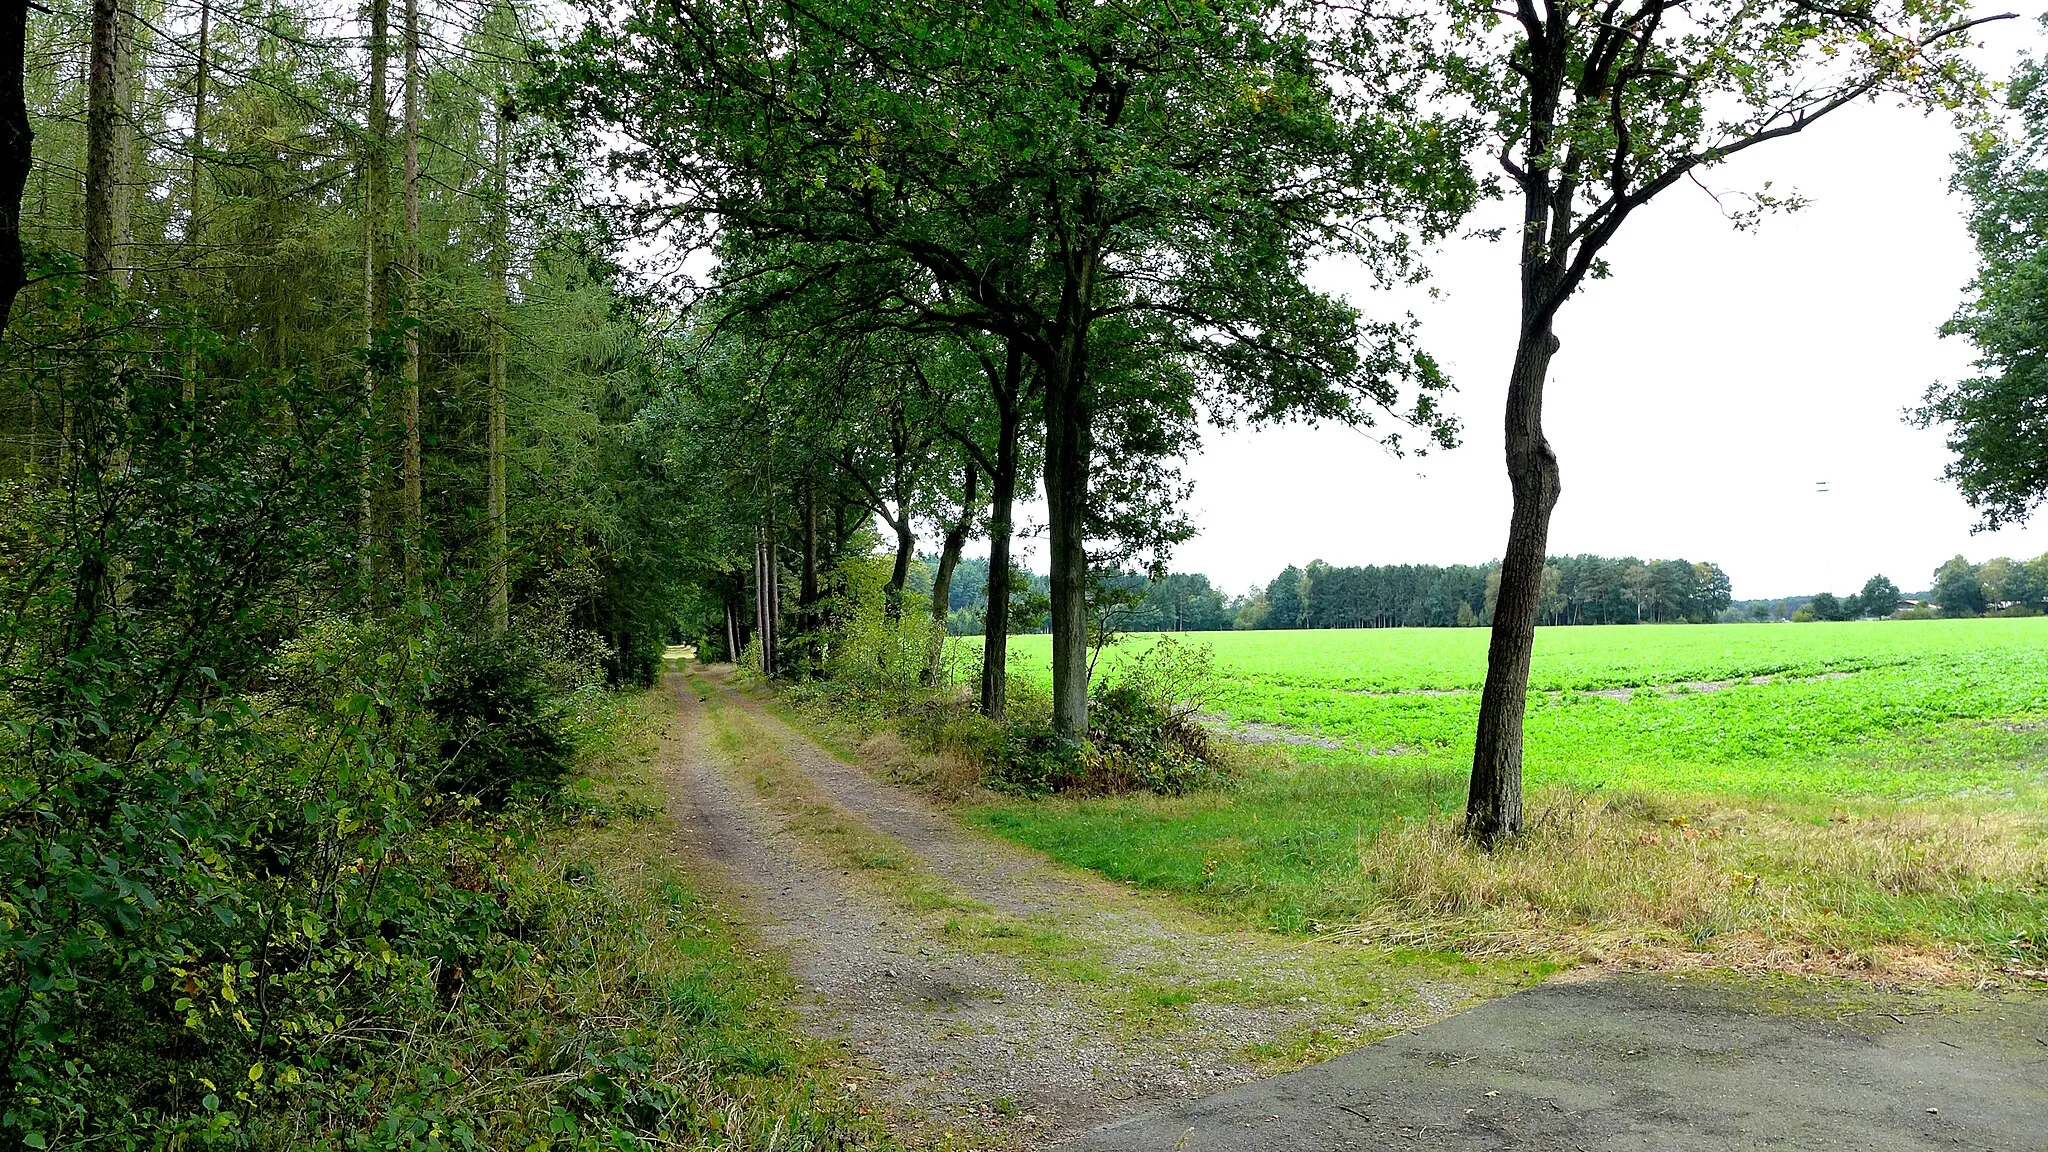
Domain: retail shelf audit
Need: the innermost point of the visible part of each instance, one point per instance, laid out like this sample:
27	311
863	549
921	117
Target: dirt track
1000	1043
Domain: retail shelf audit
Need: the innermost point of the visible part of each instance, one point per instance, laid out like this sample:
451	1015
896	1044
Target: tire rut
969	1037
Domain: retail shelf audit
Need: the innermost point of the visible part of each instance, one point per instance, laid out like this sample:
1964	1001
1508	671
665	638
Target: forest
387	389
1582	589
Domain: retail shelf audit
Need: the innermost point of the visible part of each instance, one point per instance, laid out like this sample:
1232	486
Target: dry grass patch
1654	879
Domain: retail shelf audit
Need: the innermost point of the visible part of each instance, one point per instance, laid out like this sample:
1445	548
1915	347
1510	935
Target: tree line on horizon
1582	589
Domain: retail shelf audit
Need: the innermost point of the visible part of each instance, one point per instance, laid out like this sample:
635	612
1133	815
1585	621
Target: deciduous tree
1048	168
1597	107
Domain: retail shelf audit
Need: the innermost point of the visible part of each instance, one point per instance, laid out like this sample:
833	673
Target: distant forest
1576	590
1582	589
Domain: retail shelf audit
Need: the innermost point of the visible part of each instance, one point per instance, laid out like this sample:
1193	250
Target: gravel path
972	1040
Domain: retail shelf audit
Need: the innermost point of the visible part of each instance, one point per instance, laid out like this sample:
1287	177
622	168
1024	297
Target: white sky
1698	397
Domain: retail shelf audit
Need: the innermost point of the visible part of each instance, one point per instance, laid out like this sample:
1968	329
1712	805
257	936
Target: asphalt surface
1654	1062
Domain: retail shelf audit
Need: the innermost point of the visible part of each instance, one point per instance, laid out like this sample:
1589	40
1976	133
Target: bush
503	737
1145	734
1138	743
1032	759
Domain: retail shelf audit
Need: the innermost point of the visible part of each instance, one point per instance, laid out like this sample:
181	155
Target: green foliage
1994	421
502	735
227	876
869	647
1583	589
1033	759
1958	590
1879	597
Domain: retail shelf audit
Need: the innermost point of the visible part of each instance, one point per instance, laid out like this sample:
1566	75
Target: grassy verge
1949	890
634	1014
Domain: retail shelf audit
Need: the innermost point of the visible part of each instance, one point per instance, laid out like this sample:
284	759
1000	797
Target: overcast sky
1699	397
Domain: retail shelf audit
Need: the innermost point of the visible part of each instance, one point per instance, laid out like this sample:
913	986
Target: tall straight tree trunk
121	158
199	79
732	632
949	558
767	601
500	576
1493	806
102	127
415	512
995	629
807	588
192	255
1069	435
374	275
16	153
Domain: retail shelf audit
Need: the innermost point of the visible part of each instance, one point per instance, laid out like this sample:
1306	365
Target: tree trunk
732	632
190	390
500	559
906	549
942	580
121	156
1069	435
16	154
995	630
374	274
807	588
102	126
767	600
1493	808
415	512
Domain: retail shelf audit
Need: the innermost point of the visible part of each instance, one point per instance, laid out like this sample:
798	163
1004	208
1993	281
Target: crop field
1855	797
1892	708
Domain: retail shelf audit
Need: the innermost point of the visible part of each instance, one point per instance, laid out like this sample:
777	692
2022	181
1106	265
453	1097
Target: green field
1847	797
1893	708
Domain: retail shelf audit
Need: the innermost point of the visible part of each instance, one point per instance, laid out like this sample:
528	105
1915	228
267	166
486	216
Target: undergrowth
631	1012
540	974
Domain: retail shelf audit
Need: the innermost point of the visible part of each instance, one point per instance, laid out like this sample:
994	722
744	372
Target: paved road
1654	1062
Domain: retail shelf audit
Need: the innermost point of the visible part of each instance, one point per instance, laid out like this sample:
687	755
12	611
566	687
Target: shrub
1145	734
1138	744
865	647
1032	759
502	736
